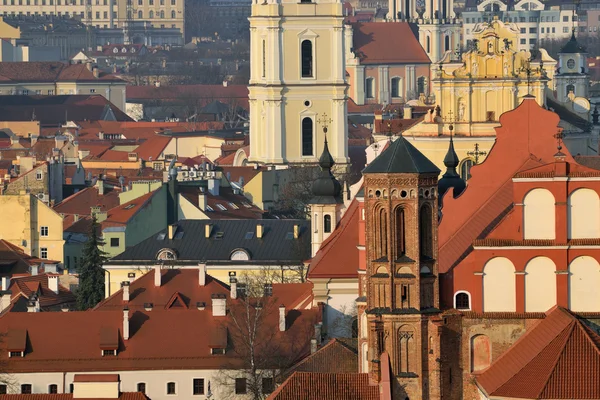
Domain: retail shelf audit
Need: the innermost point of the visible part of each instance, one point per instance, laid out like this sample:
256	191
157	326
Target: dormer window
217	351
218	340
16	342
109	353
15	354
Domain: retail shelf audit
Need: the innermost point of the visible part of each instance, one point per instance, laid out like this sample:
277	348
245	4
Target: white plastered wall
539	215
540	285
499	291
584	280
584	214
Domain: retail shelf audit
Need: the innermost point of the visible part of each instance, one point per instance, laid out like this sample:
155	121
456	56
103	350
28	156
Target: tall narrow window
395	87
382	235
327	223
400	233
307	136
425	232
369	88
140	14
307	59
264	58
446	41
141	387
421	84
428	44
173	14
171	388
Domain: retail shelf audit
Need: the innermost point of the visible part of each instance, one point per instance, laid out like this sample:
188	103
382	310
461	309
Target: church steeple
451	179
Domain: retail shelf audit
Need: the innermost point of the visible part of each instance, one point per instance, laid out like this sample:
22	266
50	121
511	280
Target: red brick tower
402	269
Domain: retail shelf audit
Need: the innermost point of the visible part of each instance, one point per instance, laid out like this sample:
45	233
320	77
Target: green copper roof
401	157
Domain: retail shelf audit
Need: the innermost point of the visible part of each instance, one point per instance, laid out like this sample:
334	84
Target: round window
571	63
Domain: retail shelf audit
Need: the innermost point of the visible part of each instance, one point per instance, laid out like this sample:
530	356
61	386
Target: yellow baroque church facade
297	87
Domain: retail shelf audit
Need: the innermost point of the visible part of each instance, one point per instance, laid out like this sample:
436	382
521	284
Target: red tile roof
38	284
338	255
13	260
334	357
387	43
69	396
96	378
122	214
559	358
326	386
204	94
81	202
50	71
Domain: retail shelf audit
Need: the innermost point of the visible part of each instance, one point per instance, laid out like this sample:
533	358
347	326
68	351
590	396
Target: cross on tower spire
324	121
476	153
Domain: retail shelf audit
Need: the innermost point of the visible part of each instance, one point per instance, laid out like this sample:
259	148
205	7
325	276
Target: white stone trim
454	299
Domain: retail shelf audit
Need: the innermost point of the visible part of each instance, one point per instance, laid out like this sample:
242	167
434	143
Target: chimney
282	318
125	323
53	283
202	201
214	186
89	64
35	270
100	186
233	286
202	274
5	299
296	231
171	231
157	277
131	276
407	112
207	230
31	306
34	139
219	305
125	286
259	231
5	283
313	346
225	83
75	217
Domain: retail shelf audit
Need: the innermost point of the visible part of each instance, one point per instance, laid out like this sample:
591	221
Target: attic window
209	208
240	255
217	351
249	235
221	207
219	235
109	353
289	236
246	204
15	354
129	207
234	206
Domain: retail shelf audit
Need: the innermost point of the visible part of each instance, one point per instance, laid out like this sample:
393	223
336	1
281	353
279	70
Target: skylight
219	235
221	207
234	206
249	235
246	204
289	236
129	207
209	208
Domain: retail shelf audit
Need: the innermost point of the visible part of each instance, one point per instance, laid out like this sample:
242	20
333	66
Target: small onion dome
451	179
326	189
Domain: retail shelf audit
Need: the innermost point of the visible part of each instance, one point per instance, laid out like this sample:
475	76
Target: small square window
240	386
217	351
109	352
114	242
3	389
92	90
26	388
53	389
39	175
171	388
44	252
267	385
16	354
44	231
198	386
141	387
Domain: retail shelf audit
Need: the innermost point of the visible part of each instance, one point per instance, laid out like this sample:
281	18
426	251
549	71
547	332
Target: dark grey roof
572	46
277	246
451	177
401	157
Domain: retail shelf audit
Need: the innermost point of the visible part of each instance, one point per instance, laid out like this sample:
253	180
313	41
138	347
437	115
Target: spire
451	179
326	189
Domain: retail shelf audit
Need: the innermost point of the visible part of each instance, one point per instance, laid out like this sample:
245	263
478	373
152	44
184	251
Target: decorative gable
176	301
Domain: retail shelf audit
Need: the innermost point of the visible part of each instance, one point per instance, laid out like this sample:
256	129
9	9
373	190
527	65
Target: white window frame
42	251
39	175
313	117
42	229
167	388
470	300
302	36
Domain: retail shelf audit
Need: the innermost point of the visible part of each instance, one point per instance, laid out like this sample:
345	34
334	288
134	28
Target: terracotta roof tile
334	357
69	396
122	214
326	386
81	202
338	254
389	43
559	358
30	285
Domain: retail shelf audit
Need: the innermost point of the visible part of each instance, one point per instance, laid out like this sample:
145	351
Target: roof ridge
570	328
587	332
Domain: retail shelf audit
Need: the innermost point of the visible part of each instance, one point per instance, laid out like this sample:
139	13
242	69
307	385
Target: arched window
382	235
307	59
171	388
369	88
327	223
570	88
428	44
499	287
405	348
481	352
162	13
407	9
53	389
400	233
462	301
421	84
584	275
365	358
446	41
264	58
465	169
151	14
425	235
173	14
584	214
307	136
141	387
140	14
538	215
395	87
540	285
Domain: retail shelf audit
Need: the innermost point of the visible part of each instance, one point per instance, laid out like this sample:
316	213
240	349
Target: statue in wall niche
475	68
461	111
505	69
490	47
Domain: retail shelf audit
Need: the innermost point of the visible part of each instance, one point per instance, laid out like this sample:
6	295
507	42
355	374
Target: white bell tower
572	77
297	81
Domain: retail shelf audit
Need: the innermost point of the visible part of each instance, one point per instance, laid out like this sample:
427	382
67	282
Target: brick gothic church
503	303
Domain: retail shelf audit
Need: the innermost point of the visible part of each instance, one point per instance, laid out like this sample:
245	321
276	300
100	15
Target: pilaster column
338	55
339	134
274	52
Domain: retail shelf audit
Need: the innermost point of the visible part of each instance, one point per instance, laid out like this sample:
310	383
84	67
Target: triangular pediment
176	302
307	33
